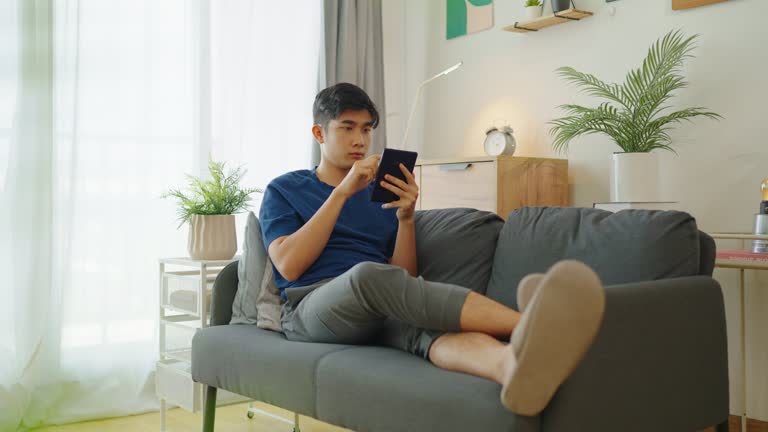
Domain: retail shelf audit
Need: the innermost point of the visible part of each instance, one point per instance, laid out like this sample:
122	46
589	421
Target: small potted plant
209	207
635	114
533	8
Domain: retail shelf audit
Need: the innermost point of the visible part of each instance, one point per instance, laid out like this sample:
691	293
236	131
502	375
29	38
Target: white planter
533	12
634	177
212	237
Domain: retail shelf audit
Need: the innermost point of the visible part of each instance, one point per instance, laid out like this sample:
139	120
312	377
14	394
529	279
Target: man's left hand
408	193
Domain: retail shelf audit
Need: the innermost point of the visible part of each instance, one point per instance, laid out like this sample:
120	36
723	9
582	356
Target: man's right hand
359	176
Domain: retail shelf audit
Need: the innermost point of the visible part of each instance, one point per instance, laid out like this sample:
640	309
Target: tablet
390	164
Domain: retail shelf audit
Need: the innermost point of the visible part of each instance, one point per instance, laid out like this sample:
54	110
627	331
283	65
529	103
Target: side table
741	260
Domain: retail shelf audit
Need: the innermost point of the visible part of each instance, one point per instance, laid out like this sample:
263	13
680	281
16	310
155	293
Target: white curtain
105	104
262	93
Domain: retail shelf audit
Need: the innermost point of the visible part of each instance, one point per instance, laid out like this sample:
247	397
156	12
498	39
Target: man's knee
364	271
368	275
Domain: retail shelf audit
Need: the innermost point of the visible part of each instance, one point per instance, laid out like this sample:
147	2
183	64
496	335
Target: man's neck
330	174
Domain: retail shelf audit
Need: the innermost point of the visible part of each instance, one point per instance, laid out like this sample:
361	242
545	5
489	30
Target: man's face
346	138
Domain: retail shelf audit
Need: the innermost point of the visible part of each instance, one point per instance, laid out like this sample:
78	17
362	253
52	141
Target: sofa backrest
623	247
457	246
707	252
224	291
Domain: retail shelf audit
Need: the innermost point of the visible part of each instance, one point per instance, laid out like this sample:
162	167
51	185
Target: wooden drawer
498	184
459	185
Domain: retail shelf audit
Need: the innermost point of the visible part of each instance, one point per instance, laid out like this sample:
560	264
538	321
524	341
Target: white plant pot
533	12
212	237
634	177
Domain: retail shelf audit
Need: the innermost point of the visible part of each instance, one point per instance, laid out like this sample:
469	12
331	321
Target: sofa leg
296	427
209	412
722	427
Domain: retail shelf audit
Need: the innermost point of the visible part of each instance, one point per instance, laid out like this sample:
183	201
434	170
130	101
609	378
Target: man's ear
318	133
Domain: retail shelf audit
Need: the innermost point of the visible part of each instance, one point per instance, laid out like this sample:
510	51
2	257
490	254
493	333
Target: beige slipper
556	329
526	288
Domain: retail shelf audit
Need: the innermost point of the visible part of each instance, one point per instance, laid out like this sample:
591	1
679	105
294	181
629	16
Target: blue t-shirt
363	232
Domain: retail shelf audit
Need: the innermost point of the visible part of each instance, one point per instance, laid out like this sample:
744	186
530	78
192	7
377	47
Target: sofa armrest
659	362
224	290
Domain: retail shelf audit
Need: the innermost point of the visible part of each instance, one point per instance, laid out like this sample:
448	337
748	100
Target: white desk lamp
416	99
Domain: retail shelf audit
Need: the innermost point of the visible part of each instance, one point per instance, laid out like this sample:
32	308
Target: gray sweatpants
373	303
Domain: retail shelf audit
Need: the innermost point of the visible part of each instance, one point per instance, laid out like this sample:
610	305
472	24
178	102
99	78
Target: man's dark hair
334	100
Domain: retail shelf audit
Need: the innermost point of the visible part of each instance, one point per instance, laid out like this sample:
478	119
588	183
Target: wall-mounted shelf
548	21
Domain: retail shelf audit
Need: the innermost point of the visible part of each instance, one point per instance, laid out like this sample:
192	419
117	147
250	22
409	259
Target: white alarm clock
499	141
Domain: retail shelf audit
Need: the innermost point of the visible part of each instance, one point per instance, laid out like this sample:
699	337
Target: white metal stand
198	281
174	384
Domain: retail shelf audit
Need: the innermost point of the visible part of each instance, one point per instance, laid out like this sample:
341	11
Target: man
345	264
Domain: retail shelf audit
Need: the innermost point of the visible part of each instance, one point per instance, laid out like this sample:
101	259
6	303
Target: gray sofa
659	362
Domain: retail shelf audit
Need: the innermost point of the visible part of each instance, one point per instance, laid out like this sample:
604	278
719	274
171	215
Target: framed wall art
467	16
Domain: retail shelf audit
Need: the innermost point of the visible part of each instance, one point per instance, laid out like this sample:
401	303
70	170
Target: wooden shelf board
548	21
741	264
738	236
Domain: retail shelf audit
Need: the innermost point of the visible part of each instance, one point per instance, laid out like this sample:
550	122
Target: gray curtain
354	54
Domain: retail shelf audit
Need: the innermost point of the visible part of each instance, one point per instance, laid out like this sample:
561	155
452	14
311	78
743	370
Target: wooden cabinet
498	184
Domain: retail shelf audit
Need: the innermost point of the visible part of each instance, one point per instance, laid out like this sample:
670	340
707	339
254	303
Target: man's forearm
296	253
405	248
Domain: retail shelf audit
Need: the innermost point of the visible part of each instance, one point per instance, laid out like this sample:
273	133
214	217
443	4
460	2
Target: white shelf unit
185	294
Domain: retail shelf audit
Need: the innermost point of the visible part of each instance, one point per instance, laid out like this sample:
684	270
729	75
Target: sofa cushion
259	364
457	245
257	300
627	246
381	389
250	274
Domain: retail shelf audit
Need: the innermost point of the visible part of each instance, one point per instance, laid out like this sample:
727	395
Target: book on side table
741	259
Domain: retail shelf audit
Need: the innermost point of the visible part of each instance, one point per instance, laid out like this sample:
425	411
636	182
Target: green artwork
467	16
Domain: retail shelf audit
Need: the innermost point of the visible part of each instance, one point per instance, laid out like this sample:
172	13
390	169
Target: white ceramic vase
212	237
634	177
533	12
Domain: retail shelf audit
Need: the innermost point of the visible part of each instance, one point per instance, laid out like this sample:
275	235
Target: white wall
719	167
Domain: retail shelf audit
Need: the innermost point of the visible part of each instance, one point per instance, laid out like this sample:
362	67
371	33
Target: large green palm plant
635	115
